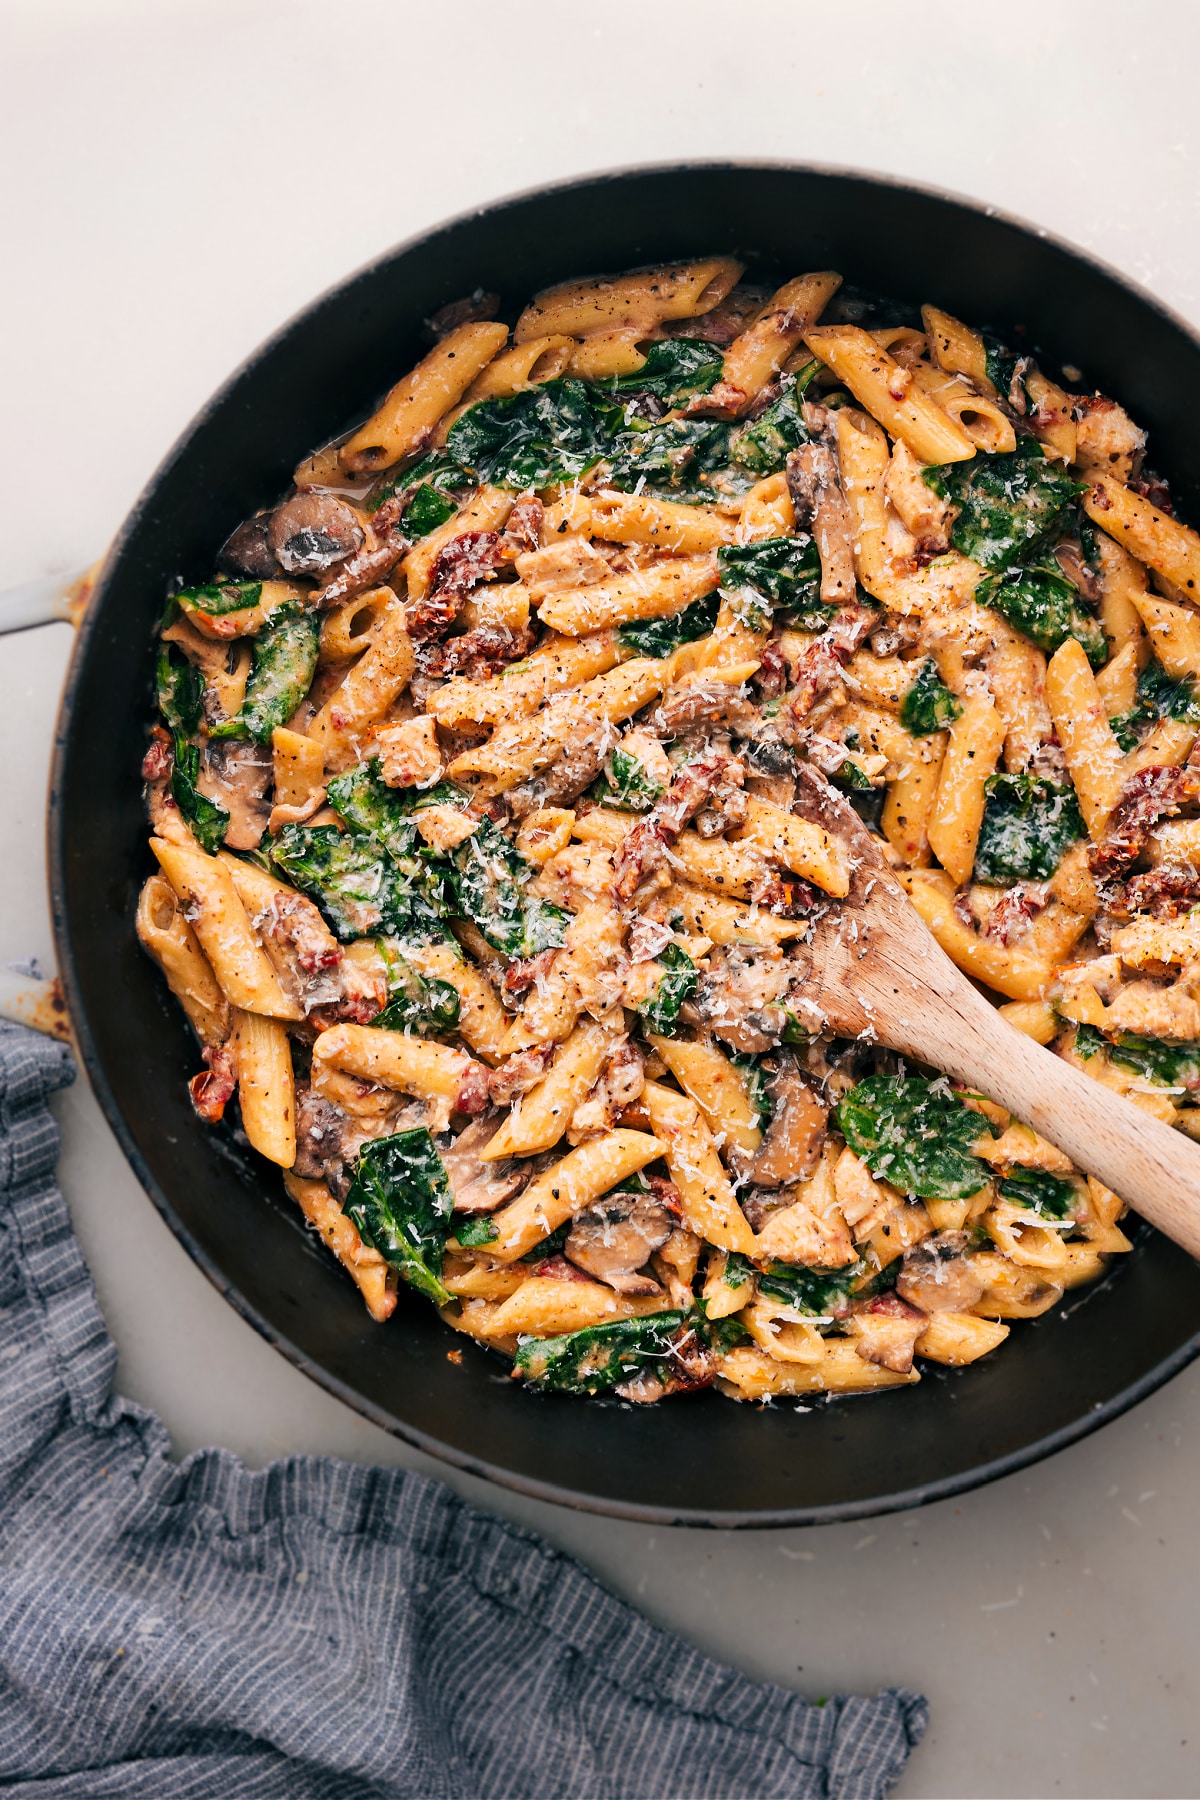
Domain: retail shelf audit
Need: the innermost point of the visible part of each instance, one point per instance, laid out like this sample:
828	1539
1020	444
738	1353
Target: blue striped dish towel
315	1630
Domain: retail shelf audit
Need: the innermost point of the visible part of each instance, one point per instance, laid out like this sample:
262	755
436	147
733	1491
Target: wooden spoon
878	972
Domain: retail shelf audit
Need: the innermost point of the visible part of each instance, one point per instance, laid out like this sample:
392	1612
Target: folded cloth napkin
317	1631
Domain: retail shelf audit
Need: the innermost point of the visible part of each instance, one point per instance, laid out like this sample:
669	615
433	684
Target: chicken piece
621	1082
409	754
482	1186
517	1074
921	510
815	485
936	1274
887	1329
645	848
570	562
1106	438
615	1238
236	775
738	998
792	1145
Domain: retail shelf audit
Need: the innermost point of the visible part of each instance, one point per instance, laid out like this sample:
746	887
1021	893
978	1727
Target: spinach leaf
1162	1060
488	876
416	1003
1007	504
1043	604
180	690
678	982
435	478
625	784
783	572
738	1270
668	453
475	1230
208	819
285	661
762	446
364	800
915	1134
1001	365
817	1293
1040	1192
530	439
400	1201
359	887
674	369
1159	696
928	706
1029	824
221	596
658	637
598	1358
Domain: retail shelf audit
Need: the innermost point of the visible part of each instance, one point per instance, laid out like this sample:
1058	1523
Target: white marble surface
180	175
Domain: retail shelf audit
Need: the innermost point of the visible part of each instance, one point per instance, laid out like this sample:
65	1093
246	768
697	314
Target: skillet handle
49	598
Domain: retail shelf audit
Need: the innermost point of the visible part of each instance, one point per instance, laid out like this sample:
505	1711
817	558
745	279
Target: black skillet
703	1459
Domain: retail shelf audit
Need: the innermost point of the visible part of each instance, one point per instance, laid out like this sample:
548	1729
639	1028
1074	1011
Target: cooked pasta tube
975	414
210	901
756	356
746	1374
525	365
710	1208
1009	971
365	1266
563	1190
413	407
545	1305
664	525
1093	755
298	765
956	348
558	664
482	1022
677	291
516	751
887	391
717	1087
796	844
1163	544
166	934
541	1116
973	749
262	1057
1174	633
344	724
411	1065
652	592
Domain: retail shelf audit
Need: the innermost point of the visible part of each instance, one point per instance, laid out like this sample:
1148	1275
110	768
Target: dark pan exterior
701	1460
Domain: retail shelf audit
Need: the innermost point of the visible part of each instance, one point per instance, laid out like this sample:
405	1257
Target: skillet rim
906	1500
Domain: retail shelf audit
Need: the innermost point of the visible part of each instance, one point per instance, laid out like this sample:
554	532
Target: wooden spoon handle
1151	1165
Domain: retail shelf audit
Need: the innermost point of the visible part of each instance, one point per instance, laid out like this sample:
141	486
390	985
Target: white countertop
181	175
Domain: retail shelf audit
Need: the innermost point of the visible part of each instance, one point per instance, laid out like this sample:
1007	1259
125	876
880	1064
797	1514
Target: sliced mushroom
247	551
792	1145
937	1274
310	532
236	774
615	1238
739	994
478	1186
